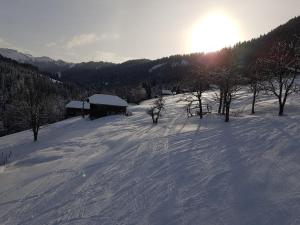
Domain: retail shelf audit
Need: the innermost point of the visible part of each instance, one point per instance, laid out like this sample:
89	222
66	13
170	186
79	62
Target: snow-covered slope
124	170
156	67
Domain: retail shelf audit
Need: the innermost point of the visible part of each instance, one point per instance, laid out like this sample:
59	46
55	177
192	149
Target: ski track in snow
124	170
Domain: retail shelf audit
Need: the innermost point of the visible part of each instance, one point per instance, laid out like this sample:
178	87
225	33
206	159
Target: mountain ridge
111	76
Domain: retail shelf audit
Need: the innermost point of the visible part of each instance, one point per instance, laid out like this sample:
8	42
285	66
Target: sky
120	30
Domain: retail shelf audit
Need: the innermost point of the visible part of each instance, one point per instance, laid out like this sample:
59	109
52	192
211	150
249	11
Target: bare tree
255	82
200	84
280	68
230	85
189	100
227	77
36	98
84	96
221	101
148	86
155	110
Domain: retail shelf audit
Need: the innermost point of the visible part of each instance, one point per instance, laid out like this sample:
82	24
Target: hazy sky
117	30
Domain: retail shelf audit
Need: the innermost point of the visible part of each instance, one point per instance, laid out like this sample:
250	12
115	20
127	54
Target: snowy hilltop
124	170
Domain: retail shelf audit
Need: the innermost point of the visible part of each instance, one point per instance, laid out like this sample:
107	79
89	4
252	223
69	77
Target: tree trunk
224	105
281	109
157	116
35	126
253	102
220	103
156	119
35	135
227	113
227	103
224	99
153	119
200	109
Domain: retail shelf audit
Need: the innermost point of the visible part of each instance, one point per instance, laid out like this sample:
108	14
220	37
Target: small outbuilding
75	108
104	105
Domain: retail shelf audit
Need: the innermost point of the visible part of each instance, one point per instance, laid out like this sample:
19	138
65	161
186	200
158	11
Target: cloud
51	44
4	44
106	36
81	40
87	39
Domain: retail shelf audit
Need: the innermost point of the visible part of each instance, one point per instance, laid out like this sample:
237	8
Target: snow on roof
113	100
77	105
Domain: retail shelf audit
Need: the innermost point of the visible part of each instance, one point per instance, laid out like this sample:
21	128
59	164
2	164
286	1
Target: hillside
167	71
44	63
124	170
16	84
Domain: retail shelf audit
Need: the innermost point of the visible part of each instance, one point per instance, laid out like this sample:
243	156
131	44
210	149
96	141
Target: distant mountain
17	56
169	71
165	72
43	63
90	65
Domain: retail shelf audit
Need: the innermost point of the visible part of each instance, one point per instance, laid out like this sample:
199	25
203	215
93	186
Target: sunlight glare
213	32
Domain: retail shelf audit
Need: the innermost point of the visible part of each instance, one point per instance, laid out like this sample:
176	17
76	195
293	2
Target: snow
167	92
59	75
55	81
44	59
156	67
124	170
183	62
15	55
78	105
102	99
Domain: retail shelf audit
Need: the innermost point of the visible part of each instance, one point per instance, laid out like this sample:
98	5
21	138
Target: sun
213	32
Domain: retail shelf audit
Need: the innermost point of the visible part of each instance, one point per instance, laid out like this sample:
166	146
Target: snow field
124	170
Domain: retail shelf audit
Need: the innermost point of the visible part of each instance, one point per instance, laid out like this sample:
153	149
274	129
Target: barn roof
100	99
77	105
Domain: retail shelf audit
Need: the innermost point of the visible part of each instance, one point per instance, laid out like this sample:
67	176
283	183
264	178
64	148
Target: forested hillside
28	96
169	71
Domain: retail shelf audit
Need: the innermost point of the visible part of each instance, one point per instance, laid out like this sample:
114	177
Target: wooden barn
74	108
104	105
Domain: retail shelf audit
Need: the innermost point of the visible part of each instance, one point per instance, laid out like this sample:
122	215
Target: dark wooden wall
97	111
71	112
